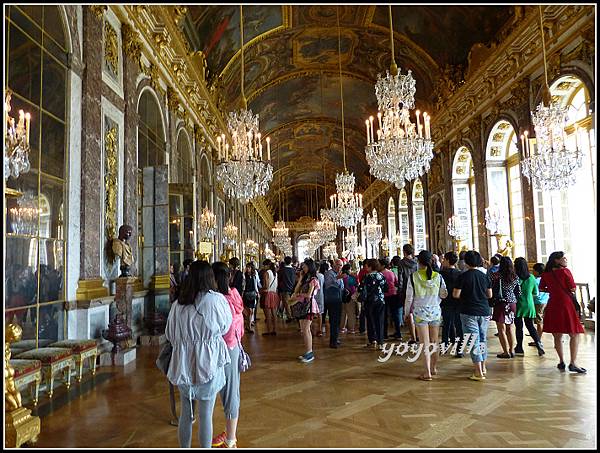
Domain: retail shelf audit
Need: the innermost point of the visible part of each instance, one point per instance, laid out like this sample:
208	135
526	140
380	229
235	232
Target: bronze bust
122	249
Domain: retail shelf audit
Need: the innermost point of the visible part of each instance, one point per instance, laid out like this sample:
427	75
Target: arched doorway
302	244
419	216
463	197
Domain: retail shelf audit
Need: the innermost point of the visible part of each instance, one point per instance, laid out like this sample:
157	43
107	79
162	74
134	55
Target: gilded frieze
111	144
111	50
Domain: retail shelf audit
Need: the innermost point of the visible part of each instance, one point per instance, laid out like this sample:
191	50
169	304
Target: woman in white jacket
195	329
424	292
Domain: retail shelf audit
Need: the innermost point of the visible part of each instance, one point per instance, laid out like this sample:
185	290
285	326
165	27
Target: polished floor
346	398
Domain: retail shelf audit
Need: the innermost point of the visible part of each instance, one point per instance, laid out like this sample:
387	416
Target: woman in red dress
560	316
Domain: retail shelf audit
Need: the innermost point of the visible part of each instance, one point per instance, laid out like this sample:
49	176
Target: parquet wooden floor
346	398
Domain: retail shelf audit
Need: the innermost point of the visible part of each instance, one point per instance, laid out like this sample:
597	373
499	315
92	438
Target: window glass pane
52	206
24	71
51	270
54	86
28	18
22	211
175	234
53	146
53	25
34	13
52	322
24	318
20	277
174	205
188	223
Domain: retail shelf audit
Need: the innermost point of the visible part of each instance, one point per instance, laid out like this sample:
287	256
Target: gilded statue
506	251
12	396
121	248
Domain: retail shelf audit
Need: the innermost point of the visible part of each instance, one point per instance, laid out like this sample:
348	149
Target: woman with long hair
195	328
426	289
506	290
308	288
230	393
321	322
251	287
349	304
271	298
560	316
526	307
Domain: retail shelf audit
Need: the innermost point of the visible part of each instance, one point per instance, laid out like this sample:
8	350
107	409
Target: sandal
425	378
561	366
577	369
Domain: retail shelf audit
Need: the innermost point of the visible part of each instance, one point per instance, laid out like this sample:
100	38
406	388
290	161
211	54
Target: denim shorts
427	315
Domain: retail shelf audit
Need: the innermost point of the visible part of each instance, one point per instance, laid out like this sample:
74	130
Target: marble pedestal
153	340
121	358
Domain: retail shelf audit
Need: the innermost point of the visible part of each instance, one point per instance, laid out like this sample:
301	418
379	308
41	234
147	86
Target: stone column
90	283
160	279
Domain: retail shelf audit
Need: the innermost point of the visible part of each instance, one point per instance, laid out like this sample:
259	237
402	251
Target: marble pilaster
161	220
91	165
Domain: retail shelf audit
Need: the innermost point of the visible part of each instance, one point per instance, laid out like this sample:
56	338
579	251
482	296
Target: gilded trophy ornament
111	49
121	248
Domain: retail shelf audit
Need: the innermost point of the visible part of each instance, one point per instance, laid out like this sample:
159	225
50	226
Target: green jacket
525	304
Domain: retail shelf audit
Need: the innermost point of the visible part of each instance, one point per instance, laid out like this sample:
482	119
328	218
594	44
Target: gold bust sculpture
506	251
122	249
12	396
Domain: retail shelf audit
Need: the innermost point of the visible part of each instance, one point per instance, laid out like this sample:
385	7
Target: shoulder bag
498	298
244	362
571	295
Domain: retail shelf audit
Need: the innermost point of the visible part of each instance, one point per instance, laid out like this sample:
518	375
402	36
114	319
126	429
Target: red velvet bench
81	349
28	373
53	360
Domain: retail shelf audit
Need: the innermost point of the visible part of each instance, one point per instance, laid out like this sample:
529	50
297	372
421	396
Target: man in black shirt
236	278
474	288
452	327
287	282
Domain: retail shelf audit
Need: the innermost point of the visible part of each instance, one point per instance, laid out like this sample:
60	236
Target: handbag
301	309
498	298
572	296
164	357
244	362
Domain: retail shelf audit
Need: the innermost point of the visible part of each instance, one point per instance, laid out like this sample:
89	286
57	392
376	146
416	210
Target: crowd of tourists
213	306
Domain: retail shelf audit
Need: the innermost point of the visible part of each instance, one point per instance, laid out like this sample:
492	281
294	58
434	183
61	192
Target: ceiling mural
447	33
218	29
292	77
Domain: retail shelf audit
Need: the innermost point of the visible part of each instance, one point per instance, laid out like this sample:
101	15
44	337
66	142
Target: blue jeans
476	326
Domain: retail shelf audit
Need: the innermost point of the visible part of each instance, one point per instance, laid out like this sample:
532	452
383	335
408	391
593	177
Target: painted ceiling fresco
292	78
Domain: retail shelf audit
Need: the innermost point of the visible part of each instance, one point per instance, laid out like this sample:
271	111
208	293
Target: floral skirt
271	301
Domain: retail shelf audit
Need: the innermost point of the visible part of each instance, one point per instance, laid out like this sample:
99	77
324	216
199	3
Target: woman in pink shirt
230	393
392	307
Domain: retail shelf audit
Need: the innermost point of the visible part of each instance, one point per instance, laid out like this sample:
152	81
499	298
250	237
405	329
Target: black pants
362	318
452	327
335	314
530	328
375	314
392	311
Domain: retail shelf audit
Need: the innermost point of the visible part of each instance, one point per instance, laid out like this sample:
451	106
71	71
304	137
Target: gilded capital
98	10
179	13
131	43
172	99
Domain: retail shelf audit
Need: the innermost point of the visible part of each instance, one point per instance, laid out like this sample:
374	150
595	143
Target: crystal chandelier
230	233
385	245
493	219
330	251
315	239
269	254
326	229
280	234
16	142
251	248
373	230
242	169
351	242
346	206
551	166
208	222
455	227
402	150
24	218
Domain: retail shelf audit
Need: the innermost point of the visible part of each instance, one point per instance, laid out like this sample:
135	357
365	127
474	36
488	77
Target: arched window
151	138
463	196
180	168
557	224
419	216
504	184
302	244
391	223
403	217
36	60
204	183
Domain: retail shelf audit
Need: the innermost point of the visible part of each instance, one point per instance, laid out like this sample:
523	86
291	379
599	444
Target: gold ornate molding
91	289
98	10
111	144
131	44
179	13
111	49
160	282
172	100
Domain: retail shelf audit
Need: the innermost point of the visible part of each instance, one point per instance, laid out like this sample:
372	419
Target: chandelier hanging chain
544	48
244	102
341	83
393	66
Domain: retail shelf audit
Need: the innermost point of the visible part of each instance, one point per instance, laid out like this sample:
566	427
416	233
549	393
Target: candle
27	119
418	112
378	134
368	135
576	134
331	200
427	126
219	147
526	133
371	124
523	145
226	151
421	130
268	148
379	119
360	199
